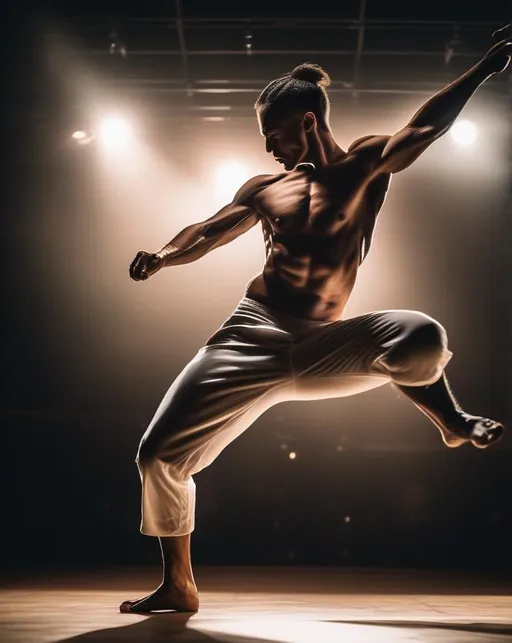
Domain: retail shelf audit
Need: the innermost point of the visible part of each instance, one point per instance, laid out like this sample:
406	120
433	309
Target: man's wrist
485	68
165	252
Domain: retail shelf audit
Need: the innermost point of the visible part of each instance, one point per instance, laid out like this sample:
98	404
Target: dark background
87	354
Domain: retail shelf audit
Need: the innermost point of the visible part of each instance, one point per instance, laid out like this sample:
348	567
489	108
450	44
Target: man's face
286	139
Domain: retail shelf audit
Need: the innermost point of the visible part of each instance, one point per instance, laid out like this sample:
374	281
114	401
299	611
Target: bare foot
481	432
180	597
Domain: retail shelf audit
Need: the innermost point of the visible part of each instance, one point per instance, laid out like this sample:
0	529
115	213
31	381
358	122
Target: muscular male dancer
287	340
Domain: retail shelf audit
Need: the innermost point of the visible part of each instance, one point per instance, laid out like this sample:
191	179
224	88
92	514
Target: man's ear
309	121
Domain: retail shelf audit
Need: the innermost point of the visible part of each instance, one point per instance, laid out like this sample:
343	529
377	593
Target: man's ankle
181	578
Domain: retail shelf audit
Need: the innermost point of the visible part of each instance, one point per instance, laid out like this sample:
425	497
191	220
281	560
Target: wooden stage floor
262	605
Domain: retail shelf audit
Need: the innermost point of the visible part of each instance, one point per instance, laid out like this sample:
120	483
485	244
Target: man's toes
486	432
127	606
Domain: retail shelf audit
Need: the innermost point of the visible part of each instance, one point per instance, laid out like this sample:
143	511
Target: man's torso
317	226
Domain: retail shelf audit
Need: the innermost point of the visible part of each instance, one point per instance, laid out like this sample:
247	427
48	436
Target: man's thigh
214	399
338	359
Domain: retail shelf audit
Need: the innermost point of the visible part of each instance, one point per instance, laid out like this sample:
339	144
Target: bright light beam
229	177
463	133
116	132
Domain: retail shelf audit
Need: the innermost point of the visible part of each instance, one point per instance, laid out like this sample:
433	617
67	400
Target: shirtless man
286	339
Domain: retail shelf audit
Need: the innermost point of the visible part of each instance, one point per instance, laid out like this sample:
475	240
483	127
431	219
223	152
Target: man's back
317	225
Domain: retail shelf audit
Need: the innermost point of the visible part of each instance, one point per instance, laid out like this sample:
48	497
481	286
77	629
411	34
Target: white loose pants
260	357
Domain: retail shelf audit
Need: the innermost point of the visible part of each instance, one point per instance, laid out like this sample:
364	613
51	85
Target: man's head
291	109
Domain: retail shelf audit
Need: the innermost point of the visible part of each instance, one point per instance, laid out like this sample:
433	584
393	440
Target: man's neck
324	150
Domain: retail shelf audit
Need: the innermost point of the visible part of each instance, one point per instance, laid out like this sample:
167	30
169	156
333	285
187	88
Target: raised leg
406	348
438	403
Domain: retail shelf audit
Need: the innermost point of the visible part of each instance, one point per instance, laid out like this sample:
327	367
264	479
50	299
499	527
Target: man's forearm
187	246
441	110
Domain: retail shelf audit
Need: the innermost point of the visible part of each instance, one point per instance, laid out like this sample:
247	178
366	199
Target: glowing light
230	176
116	132
82	137
347	519
463	133
292	455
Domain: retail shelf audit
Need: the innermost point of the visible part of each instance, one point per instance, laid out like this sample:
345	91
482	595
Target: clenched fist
144	265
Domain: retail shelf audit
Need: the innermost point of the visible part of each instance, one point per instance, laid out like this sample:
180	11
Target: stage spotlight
248	42
115	131
81	137
117	46
463	133
230	177
292	455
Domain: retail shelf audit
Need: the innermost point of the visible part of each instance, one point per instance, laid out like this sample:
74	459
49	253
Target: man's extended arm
439	113
194	241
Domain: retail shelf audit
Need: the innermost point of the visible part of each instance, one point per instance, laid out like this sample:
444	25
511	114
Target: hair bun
311	73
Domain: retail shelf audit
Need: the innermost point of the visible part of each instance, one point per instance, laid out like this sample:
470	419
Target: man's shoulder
251	187
371	143
366	152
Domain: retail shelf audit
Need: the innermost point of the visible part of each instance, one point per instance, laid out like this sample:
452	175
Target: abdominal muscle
300	289
313	243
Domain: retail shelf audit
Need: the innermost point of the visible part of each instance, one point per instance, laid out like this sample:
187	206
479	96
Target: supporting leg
177	590
215	398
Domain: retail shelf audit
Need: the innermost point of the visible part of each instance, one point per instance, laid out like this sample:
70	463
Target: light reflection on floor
263	605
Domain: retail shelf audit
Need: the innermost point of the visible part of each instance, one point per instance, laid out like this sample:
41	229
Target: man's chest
305	202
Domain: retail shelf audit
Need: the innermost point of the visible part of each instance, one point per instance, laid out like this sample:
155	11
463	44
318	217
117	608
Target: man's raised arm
440	112
194	241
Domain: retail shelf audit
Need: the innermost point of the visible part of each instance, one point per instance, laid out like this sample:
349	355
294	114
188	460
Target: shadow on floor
171	628
160	628
478	628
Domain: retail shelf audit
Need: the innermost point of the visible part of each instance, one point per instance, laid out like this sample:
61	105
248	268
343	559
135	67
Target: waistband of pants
283	320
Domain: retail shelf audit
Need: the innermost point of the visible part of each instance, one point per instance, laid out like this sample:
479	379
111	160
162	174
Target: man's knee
155	455
426	341
420	355
152	450
146	453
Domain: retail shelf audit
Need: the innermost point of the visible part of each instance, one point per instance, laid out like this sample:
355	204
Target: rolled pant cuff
166	532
